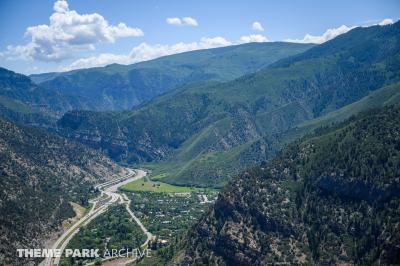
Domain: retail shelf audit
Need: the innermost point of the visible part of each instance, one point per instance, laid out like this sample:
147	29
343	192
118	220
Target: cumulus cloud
253	38
213	42
146	51
386	21
98	60
190	21
61	6
68	32
174	21
257	26
326	36
185	21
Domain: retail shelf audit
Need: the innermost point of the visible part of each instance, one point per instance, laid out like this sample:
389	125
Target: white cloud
189	21
253	38
326	36
61	6
98	60
386	21
185	21
145	52
174	21
213	42
67	33
257	26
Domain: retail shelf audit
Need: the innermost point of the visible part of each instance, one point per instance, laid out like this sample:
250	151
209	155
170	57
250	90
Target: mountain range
303	139
41	170
205	133
120	87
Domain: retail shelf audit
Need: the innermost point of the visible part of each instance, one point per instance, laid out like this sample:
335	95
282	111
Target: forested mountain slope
120	87
23	101
201	128
40	173
331	198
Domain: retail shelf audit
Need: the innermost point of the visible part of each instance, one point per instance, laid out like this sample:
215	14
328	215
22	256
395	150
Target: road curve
110	189
145	231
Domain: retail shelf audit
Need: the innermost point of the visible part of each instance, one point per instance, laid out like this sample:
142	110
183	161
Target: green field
145	184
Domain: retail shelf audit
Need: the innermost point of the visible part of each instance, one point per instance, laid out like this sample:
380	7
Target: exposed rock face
332	198
40	173
206	126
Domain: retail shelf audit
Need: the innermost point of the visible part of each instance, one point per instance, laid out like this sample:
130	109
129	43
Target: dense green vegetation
40	173
113	230
385	96
164	255
206	133
329	198
23	101
119	87
169	215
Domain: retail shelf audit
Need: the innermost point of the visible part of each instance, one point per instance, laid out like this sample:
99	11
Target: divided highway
109	195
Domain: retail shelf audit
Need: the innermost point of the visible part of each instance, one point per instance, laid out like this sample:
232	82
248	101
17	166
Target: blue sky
88	33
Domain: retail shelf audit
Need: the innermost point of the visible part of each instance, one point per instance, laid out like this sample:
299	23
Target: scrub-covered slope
40	173
203	129
119	87
331	198
23	101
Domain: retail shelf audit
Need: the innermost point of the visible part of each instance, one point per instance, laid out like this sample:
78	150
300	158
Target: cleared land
146	185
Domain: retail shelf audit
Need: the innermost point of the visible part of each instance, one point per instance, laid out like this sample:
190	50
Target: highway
109	195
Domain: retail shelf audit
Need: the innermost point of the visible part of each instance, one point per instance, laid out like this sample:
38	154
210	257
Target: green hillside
119	87
388	95
231	162
330	199
209	131
40	173
23	101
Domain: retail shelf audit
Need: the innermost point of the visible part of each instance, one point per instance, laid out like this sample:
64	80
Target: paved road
145	231
125	200
100	205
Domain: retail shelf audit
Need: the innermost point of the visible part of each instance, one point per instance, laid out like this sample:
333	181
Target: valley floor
100	205
150	213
